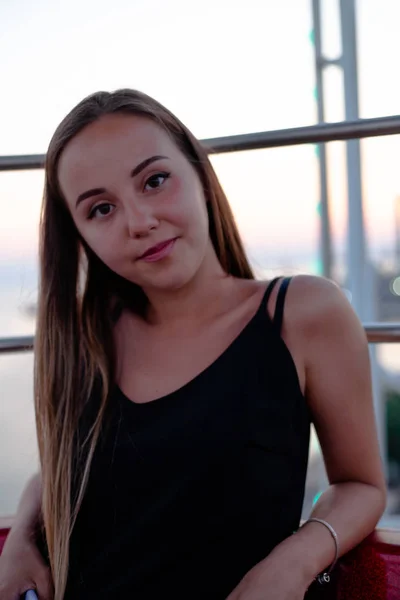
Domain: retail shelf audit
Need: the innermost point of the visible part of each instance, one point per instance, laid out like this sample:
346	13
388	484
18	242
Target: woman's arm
339	393
329	342
21	564
28	517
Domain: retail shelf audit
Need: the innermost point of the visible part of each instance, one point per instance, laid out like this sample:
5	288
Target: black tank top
188	492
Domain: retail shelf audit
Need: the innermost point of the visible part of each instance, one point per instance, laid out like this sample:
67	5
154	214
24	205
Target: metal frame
321	63
357	255
297	136
377	333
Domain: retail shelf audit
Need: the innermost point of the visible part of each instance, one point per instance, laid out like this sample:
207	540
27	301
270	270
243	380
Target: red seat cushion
3	534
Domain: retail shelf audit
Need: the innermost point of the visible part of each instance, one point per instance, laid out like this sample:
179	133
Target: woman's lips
158	251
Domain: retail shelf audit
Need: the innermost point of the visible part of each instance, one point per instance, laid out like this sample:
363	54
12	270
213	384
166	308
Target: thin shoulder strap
280	303
268	292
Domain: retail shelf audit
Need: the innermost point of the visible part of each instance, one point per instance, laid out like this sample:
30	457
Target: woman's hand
22	568
271	580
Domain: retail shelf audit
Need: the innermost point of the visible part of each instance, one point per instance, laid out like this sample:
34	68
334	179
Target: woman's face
136	201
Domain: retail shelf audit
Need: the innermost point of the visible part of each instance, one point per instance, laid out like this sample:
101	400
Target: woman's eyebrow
145	163
88	194
138	169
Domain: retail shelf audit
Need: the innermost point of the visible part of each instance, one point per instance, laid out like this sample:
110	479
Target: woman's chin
167	282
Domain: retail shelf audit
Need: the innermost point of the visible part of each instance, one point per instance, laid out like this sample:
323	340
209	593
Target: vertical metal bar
361	273
397	231
356	237
325	230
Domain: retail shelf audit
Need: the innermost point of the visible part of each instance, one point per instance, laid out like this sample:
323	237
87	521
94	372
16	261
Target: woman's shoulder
319	325
313	300
319	315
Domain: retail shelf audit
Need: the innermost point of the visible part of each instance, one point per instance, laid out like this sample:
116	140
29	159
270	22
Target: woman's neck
197	301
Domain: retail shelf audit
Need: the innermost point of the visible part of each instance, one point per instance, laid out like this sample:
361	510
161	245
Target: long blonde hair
74	347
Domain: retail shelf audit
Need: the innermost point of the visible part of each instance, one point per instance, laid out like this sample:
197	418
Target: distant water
18	448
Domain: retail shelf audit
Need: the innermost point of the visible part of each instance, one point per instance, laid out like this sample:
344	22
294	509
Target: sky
224	67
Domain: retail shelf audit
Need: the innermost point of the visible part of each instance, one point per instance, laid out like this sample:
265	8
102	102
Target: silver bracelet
325	577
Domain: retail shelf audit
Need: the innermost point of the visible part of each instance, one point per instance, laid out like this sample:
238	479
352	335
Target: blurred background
223	67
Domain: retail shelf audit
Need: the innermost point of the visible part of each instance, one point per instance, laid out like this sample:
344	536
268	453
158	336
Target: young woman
174	392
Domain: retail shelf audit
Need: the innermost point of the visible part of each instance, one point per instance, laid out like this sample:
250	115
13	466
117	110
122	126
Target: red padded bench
5	524
369	572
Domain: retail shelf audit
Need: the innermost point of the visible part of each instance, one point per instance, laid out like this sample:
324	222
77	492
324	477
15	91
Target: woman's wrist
24	531
289	557
306	553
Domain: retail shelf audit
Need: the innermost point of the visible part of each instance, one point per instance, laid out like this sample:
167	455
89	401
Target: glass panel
378	53
222	68
20	201
276	212
255	72
381	200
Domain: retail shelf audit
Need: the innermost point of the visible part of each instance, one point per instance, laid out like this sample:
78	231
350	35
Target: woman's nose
141	220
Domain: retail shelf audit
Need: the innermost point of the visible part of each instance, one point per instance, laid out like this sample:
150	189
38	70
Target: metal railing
16	344
313	134
377	333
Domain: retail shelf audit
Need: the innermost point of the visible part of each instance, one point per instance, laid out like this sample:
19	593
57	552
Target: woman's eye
101	210
156	181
